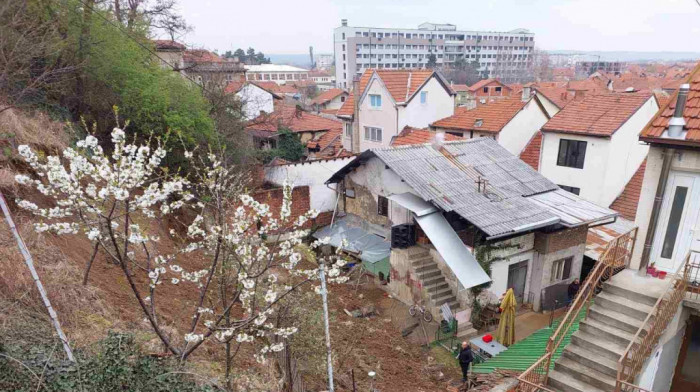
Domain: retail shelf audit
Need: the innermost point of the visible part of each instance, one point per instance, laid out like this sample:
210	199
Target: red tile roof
494	115
329	145
276	88
327	96
201	56
481	83
626	203
531	152
656	127
596	115
401	84
410	135
286	116
166	44
591	85
460	87
234	86
559	96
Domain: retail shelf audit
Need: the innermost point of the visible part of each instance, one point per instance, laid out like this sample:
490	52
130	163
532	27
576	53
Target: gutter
654	218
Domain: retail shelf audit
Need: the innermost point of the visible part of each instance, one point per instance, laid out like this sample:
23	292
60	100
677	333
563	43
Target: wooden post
30	264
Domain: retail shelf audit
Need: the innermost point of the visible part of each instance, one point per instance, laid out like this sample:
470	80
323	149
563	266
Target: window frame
375	101
423	97
561	269
567	158
382	206
348	130
373	134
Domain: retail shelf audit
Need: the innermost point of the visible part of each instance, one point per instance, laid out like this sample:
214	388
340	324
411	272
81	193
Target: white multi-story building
506	55
277	73
324	61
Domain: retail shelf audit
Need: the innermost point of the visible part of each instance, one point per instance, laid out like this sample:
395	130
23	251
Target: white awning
413	203
460	260
573	210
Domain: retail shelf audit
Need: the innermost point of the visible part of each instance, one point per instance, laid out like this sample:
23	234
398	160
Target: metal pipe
677	122
324	297
654	218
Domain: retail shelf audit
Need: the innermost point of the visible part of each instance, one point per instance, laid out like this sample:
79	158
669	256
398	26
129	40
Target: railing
615	257
693	279
647	336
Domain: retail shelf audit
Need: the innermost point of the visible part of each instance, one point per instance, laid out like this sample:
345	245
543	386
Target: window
561	269
674	221
571	189
423	97
342	98
498	89
343	38
343	47
486	90
373	134
348	129
375	100
382	206
571	153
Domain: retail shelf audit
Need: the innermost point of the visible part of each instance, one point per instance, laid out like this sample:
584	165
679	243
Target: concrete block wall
404	285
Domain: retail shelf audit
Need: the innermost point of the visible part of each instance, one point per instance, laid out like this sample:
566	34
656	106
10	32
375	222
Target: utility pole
30	264
324	296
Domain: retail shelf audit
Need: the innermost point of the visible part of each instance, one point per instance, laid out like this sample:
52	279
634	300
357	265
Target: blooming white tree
250	258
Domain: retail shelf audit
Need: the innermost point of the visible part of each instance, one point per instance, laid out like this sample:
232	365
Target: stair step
432	273
585	374
615	319
438	293
641	297
591	359
418	254
422	260
426	267
454	305
623	305
566	383
430	282
467	334
598	344
444	299
598	328
436	287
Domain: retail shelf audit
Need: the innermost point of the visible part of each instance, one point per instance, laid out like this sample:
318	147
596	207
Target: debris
408	330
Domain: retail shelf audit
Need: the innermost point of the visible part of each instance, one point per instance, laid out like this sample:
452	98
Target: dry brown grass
36	130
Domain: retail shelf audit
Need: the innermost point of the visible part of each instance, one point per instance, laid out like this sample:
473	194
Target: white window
373	134
375	100
423	97
348	129
561	269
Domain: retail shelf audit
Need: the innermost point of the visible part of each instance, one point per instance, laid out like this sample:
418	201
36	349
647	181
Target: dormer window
479	122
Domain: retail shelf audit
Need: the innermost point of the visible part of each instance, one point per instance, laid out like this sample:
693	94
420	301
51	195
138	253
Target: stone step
430	282
438	301
595	327
615	319
455	305
464	326
586	374
598	345
439	293
422	260
566	383
426	267
591	359
638	296
438	286
467	334
623	305
416	253
431	273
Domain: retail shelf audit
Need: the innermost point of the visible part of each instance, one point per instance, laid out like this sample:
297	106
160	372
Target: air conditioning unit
403	236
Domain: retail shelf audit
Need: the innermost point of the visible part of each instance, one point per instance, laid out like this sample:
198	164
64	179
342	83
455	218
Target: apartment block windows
373	134
572	153
423	97
561	269
382	206
375	100
572	189
343	47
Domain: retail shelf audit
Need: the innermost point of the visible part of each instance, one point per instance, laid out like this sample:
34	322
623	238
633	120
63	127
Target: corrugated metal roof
573	210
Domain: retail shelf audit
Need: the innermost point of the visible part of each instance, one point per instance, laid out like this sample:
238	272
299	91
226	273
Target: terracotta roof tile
410	135
531	152
201	56
401	84
327	96
596	115
460	87
494	116
559	96
691	113
484	82
166	44
287	116
626	203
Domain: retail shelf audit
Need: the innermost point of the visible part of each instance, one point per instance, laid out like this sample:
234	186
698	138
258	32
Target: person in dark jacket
465	358
573	290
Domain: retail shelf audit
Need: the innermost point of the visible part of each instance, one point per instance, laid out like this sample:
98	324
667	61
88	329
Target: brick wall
563	239
273	197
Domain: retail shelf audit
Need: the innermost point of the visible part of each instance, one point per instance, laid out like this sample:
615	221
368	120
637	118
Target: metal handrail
616	255
638	350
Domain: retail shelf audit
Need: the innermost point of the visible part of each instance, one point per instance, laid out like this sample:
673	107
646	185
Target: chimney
344	22
526	93
579	95
355	140
438	140
676	124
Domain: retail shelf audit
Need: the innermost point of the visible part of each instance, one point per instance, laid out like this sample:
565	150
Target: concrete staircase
436	290
589	362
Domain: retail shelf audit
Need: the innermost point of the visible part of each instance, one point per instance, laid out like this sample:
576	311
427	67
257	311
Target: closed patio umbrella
506	327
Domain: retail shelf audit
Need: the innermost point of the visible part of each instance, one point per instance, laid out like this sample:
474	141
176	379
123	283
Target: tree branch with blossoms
252	257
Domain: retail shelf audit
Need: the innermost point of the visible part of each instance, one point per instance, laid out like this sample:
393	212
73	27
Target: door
517	276
678	218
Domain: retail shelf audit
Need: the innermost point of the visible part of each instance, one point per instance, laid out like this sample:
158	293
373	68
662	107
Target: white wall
255	100
549	106
384	117
440	104
312	174
591	178
337	102
657	372
522	127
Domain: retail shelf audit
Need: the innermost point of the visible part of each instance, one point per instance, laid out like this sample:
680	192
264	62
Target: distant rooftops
274	68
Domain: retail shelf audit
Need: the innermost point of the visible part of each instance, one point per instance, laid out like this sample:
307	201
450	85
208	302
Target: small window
382	206
572	189
375	100
342	98
423	97
348	130
486	90
498	89
572	153
561	269
373	134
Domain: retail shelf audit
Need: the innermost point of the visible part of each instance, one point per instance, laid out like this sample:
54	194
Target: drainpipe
355	139
675	131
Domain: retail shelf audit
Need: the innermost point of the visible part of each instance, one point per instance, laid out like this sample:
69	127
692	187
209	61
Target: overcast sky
288	26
